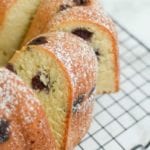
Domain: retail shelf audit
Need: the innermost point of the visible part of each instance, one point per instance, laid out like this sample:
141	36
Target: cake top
95	15
75	54
23	124
13	93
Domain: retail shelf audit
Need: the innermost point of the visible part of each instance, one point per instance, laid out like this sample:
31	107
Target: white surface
136	135
133	15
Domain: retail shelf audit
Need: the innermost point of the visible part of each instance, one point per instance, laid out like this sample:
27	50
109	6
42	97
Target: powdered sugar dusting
77	57
79	60
13	93
94	15
27	122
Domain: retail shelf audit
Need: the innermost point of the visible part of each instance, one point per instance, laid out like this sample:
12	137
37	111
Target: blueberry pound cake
61	69
15	17
23	124
47	9
92	25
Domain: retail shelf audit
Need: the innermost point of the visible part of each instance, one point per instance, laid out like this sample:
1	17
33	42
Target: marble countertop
134	15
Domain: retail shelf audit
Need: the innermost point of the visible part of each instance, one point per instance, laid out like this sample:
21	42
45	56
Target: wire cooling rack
122	120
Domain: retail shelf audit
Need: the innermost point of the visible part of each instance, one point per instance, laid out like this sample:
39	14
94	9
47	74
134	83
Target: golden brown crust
5	5
85	14
82	70
78	61
27	124
94	16
73	54
45	12
47	49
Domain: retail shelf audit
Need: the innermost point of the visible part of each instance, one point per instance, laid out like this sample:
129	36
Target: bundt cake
98	30
23	124
15	16
61	69
45	12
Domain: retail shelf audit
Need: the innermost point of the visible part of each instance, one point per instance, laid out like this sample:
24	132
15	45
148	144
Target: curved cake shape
45	12
98	30
15	17
61	69
23	124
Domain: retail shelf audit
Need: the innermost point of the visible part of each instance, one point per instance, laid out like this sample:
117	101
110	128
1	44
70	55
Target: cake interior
15	26
46	77
102	44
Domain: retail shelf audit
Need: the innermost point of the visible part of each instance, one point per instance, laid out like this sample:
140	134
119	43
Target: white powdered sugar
90	15
14	93
76	56
79	61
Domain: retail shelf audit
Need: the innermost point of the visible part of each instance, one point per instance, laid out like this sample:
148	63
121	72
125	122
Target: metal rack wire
121	119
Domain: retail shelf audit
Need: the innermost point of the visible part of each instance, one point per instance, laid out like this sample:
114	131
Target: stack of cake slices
56	55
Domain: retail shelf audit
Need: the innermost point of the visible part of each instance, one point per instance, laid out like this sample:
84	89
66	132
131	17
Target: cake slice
15	17
92	25
23	124
61	69
45	12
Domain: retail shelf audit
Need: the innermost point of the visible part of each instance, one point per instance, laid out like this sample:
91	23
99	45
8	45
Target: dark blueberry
11	68
77	102
63	7
37	84
38	41
83	33
80	2
91	92
4	130
97	54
